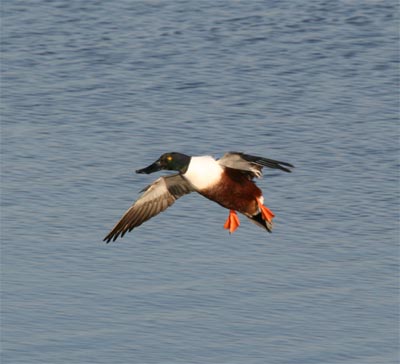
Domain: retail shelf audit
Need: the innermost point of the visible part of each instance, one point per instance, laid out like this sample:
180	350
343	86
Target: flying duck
228	181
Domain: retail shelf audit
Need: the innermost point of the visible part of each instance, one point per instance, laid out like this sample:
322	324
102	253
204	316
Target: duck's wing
159	195
251	164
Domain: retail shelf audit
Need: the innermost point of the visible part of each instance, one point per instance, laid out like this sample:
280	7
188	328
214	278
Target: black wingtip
266	162
284	168
276	164
110	237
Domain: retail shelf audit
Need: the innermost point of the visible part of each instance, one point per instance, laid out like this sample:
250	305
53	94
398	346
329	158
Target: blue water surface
92	91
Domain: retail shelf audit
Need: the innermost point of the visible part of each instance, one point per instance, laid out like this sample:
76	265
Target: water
92	91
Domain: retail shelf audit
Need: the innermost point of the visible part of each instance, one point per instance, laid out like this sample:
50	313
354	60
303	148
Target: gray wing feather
157	197
251	164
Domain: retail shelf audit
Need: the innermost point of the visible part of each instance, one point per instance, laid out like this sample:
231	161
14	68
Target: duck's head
170	161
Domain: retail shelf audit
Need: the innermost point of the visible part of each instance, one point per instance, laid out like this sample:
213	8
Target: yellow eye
169	158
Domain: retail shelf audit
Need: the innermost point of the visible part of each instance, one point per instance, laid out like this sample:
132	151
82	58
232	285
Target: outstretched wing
159	195
250	164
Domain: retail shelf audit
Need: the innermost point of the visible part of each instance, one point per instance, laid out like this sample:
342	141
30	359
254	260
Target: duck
228	181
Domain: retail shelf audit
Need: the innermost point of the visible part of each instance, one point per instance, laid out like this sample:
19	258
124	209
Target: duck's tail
260	221
264	217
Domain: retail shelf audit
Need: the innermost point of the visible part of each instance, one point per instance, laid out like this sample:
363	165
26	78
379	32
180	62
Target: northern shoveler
227	181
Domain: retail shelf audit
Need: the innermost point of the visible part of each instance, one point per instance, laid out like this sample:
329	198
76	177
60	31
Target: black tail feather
258	220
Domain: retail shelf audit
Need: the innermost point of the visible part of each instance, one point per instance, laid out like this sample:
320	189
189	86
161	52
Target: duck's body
227	181
203	172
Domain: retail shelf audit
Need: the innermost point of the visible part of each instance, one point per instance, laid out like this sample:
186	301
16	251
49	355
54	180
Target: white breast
203	172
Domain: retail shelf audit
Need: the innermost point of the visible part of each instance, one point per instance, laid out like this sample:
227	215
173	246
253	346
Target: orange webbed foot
267	214
232	222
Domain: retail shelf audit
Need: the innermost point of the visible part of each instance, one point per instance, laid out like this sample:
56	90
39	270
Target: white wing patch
203	172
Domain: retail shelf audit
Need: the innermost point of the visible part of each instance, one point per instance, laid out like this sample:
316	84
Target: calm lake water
93	90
